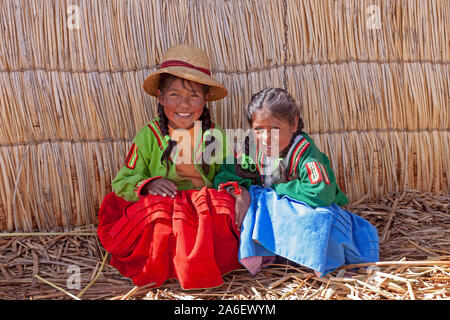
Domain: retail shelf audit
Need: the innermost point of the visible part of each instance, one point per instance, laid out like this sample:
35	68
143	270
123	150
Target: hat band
179	63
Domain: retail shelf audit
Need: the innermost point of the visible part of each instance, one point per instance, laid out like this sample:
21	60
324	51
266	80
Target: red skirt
192	238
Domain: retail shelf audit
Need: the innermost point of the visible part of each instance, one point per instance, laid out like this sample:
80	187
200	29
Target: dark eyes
261	129
175	94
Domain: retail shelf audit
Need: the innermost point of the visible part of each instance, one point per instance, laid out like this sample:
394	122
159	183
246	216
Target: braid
164	125
205	118
284	152
282	169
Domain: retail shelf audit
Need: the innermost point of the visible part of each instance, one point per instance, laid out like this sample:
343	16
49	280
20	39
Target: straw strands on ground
71	100
414	231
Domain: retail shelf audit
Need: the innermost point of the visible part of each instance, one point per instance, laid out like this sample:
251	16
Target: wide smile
184	115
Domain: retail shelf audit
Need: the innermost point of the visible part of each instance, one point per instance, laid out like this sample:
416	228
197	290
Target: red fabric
179	63
192	238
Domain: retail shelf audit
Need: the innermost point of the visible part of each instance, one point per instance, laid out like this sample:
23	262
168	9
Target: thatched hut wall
374	92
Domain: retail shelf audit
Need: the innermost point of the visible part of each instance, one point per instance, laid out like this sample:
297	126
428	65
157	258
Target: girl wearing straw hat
164	220
294	204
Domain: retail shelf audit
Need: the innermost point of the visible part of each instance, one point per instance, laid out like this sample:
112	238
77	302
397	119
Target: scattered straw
96	277
58	288
403	272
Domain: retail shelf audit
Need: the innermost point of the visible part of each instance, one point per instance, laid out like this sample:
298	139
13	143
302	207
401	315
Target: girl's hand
241	206
162	187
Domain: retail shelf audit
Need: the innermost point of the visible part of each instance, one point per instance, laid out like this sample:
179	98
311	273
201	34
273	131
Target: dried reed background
376	101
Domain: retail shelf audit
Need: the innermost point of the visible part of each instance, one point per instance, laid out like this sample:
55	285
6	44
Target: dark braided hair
206	125
281	105
205	118
164	125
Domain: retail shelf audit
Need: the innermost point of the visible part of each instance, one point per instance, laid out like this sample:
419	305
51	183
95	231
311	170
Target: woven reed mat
414	231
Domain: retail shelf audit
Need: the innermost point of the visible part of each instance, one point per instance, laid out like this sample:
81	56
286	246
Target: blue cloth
322	239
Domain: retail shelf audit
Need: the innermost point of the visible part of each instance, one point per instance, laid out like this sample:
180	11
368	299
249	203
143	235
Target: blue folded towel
322	239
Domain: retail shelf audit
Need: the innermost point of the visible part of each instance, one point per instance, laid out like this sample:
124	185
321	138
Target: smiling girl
292	209
164	220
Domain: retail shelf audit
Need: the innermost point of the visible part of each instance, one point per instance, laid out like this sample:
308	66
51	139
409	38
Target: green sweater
310	178
143	162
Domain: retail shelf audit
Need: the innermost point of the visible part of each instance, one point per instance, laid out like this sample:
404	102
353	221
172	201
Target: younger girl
295	211
164	220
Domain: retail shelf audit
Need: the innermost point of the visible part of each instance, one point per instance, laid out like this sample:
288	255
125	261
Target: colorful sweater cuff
141	184
226	186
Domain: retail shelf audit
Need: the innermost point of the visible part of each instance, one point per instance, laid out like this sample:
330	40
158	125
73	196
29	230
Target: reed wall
374	92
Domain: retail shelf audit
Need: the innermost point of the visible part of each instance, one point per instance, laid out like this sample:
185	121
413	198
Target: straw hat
187	62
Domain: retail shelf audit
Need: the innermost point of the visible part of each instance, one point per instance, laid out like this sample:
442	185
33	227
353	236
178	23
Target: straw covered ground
414	230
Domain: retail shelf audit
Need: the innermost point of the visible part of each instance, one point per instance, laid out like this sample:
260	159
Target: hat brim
216	92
